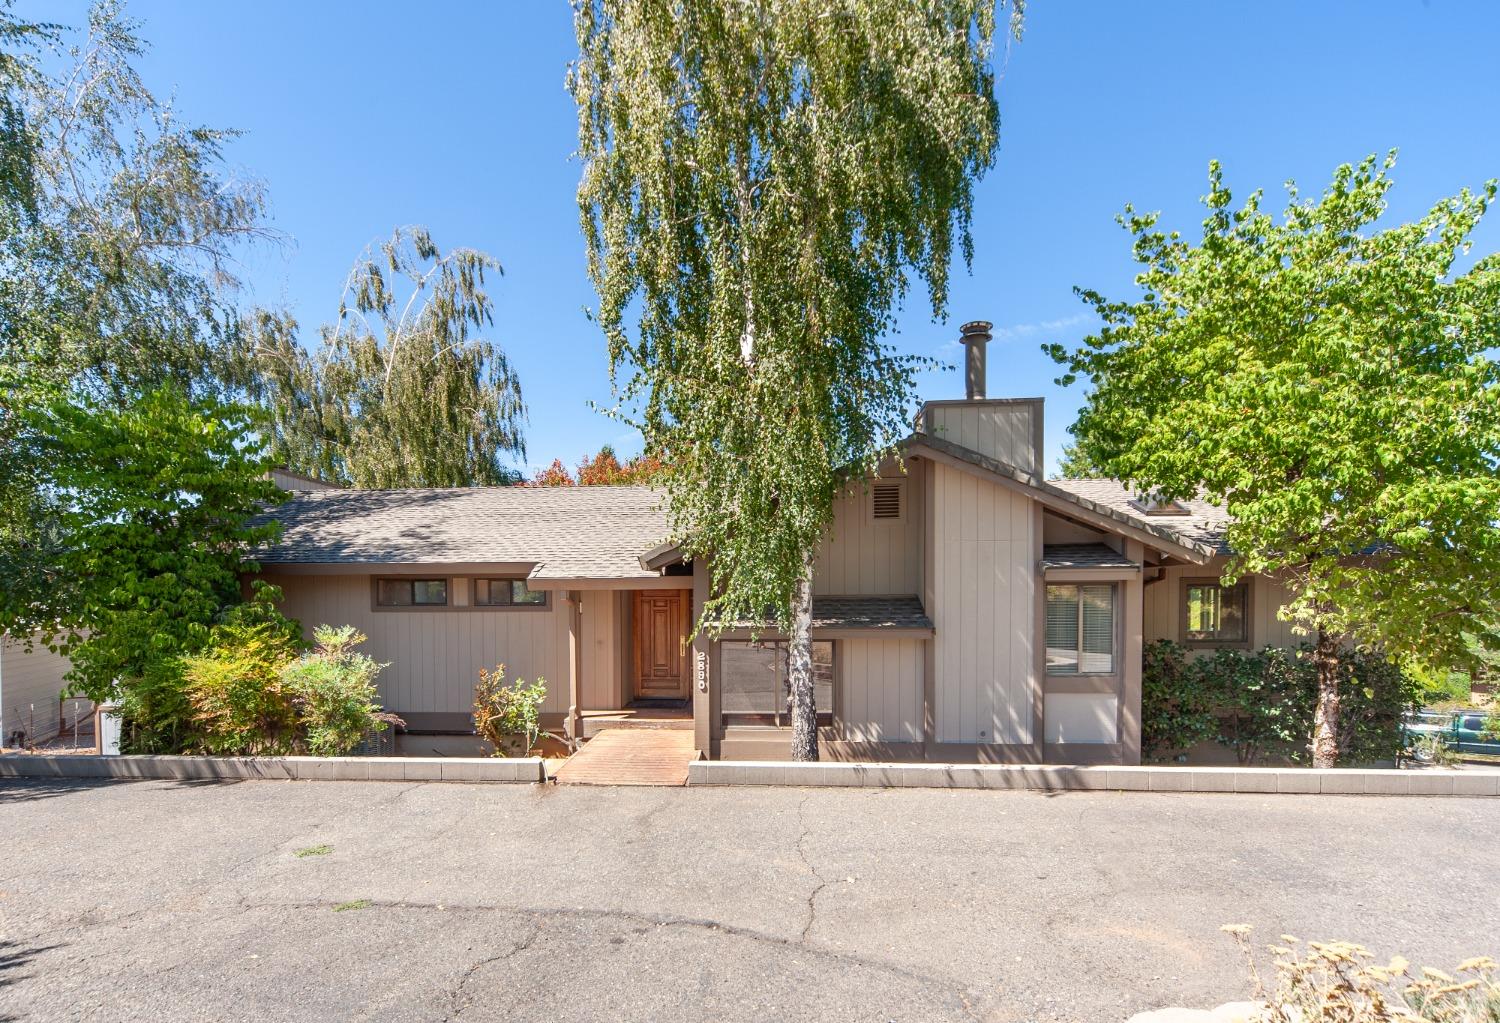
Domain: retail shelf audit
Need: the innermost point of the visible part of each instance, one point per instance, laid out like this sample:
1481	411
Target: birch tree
401	392
763	183
1330	382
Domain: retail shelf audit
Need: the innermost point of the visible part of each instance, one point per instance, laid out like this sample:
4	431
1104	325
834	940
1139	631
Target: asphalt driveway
161	901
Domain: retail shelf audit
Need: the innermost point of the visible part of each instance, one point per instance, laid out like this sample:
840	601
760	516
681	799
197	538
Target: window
411	593
1214	614
755	685
1080	629
886	499
507	593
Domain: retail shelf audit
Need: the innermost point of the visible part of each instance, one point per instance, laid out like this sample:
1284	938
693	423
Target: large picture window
411	593
1215	614
1081	629
507	593
756	689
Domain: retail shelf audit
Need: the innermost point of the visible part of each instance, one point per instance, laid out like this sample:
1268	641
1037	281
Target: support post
1132	652
573	726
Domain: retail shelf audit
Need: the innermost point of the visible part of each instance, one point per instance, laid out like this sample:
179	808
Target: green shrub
1261	704
509	716
332	693
156	710
1265	699
1177	712
239	704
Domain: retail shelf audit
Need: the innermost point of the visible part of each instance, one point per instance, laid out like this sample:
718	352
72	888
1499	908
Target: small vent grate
887	500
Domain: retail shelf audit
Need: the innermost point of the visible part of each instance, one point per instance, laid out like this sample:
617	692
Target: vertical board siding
880	690
983	607
433	657
864	555
1163	607
30	683
1000	431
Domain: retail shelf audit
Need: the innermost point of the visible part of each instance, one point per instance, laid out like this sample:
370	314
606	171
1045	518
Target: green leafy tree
1076	464
1328	382
157	506
119	227
400	393
762	181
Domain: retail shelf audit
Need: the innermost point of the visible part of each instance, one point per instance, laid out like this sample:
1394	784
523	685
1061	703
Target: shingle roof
1205	523
568	532
902	612
869	613
1084	555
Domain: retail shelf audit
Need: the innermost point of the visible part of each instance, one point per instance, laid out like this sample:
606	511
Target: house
965	609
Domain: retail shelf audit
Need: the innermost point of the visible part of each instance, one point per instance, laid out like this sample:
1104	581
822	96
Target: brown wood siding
984	587
1003	431
880	690
865	555
434	656
1163	607
30	684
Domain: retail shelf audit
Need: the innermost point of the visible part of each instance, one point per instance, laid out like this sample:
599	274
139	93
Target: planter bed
1059	777
465	769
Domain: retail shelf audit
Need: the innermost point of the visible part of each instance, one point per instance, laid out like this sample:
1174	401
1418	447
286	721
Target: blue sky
363	116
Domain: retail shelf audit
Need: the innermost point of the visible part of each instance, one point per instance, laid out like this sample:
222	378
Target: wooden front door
661	656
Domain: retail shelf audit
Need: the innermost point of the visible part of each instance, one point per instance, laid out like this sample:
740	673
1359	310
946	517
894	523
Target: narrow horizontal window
507	593
411	593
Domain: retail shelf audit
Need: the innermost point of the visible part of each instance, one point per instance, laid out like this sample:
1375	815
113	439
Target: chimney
974	336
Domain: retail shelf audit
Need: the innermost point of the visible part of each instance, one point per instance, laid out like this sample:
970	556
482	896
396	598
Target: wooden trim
1215	644
1039	638
1084	753
390	570
1105	685
1054	498
649	582
1132	651
1091	575
451	607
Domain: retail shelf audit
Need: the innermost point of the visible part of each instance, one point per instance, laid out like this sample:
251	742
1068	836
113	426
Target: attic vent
885	502
1155	504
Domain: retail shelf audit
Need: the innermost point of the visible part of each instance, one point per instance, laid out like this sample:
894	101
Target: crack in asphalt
456	1008
812	896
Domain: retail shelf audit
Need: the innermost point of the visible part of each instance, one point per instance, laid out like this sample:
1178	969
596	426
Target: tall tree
119	227
1329	383
762	180
400	392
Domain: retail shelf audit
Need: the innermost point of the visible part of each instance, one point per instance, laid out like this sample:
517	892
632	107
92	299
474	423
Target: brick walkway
631	756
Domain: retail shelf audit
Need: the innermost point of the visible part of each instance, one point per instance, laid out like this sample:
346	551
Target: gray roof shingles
1084	555
567	532
1204	523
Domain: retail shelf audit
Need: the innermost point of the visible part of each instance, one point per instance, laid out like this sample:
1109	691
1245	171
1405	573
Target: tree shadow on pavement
13	958
29	790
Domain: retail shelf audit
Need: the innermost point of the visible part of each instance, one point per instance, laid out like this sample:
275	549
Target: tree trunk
800	669
1325	742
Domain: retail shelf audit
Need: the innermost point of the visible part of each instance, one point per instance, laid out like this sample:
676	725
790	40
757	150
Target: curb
1055	778
519	770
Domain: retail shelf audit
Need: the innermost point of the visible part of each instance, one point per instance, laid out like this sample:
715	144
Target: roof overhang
995	471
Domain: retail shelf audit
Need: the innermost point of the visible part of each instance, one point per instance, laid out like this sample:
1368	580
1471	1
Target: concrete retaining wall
468	769
1048	778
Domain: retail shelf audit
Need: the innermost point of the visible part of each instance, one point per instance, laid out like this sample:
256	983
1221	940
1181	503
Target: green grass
313	850
355	904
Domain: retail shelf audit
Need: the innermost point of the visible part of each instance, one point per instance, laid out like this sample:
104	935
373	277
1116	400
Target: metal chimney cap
976	330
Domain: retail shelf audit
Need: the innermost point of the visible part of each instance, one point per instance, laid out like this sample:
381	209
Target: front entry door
661	662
